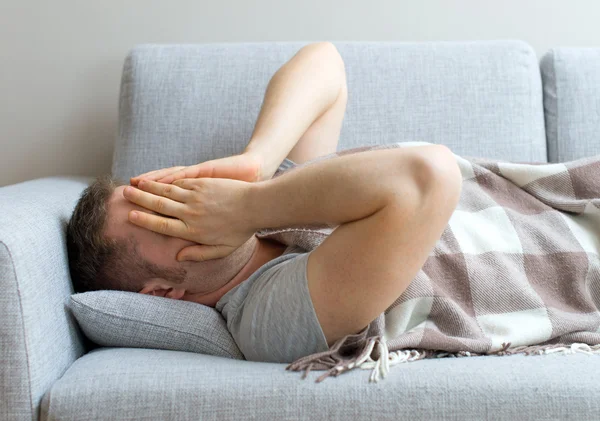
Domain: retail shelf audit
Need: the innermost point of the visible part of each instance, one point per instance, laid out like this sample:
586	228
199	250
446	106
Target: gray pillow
130	319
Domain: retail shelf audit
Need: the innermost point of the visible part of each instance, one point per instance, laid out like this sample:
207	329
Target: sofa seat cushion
144	384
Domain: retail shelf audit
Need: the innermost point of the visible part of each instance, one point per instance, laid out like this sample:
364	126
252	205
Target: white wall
61	60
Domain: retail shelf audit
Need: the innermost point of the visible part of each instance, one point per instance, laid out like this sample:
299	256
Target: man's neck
264	252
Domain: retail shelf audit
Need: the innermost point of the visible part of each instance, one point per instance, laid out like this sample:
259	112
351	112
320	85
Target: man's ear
162	288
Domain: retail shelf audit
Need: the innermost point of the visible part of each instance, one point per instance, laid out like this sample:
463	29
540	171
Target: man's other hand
244	167
211	212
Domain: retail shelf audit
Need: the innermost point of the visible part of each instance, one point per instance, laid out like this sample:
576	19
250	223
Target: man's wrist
252	213
267	155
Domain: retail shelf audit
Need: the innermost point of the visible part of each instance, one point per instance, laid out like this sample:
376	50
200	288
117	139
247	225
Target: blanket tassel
337	363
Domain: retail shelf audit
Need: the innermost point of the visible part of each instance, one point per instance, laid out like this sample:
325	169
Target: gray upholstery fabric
571	78
128	319
39	337
183	104
115	383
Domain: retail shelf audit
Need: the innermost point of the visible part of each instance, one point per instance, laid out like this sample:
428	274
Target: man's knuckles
160	205
164	226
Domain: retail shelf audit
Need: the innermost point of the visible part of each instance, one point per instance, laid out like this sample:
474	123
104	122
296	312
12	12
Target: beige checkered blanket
517	270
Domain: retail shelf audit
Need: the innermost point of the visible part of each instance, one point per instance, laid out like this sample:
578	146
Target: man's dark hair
97	262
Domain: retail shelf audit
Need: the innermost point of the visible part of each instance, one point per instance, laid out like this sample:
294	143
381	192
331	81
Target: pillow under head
130	319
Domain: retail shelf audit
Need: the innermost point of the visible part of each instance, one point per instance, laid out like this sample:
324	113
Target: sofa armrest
39	339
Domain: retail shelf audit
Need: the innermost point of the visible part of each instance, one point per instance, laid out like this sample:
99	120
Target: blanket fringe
380	367
332	359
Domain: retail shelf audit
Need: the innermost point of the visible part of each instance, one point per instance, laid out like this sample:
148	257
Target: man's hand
301	118
245	167
209	211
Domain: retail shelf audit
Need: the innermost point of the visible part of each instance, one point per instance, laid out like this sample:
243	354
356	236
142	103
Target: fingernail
133	215
128	190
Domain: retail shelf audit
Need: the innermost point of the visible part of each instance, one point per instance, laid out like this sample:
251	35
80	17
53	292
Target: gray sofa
182	104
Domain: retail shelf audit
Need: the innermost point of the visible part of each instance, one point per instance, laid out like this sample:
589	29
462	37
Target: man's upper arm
365	265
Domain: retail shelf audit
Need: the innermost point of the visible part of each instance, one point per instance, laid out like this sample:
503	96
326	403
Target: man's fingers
160	172
159	224
152	202
195	171
144	174
169	191
154	175
188	183
203	252
135	180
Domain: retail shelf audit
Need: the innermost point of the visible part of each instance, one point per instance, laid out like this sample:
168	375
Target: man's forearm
341	189
298	93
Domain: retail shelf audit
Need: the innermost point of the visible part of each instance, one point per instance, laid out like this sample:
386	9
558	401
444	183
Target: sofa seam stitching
527	51
558	153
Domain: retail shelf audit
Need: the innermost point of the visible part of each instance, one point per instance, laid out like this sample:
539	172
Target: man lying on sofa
188	233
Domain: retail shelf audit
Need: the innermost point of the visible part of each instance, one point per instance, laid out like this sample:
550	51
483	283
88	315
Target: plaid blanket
516	270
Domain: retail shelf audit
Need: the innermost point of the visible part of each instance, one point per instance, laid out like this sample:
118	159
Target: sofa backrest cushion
571	78
183	104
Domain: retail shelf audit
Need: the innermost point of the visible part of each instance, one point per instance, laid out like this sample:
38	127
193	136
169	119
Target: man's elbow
327	53
440	175
325	48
